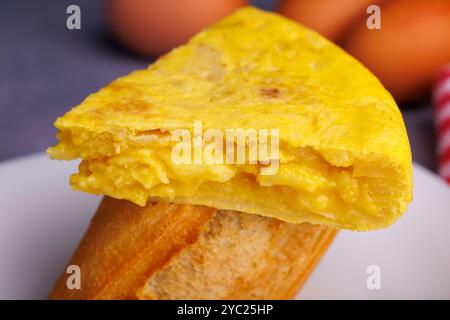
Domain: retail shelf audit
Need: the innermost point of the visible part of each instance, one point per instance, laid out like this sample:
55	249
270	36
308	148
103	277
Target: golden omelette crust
326	98
167	251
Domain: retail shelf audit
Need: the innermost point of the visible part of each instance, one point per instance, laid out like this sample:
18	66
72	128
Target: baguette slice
169	251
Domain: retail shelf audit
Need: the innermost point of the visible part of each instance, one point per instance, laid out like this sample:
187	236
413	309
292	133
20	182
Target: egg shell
153	27
413	42
331	18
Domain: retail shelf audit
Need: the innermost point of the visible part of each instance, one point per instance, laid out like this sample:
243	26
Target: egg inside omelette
343	152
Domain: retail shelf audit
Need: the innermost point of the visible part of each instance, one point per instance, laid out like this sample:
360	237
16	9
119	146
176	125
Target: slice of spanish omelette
343	152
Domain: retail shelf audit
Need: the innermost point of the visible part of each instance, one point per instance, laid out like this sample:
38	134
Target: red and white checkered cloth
441	97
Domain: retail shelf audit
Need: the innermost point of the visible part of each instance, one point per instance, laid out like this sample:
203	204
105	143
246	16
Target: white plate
42	220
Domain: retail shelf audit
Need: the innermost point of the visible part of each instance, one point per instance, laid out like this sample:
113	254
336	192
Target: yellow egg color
344	153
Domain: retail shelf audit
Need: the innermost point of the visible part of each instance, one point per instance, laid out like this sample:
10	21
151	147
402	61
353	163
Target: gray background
45	69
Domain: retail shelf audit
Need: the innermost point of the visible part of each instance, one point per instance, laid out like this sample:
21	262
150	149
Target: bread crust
168	251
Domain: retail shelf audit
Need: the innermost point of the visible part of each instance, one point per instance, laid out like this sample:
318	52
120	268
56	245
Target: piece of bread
169	251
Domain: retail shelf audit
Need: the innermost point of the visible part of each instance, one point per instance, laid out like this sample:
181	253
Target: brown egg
331	18
153	27
413	42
